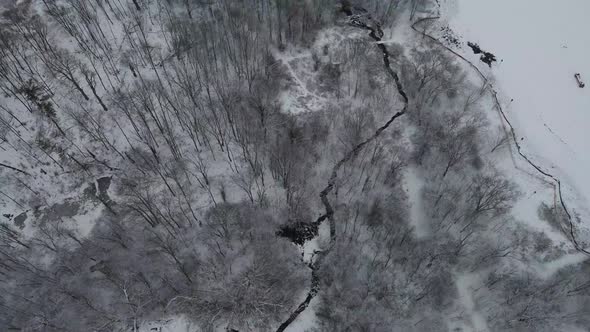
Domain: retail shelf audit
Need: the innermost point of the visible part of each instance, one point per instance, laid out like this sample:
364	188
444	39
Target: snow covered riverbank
540	45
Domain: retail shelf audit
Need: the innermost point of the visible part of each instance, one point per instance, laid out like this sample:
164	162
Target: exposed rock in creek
299	232
103	185
19	221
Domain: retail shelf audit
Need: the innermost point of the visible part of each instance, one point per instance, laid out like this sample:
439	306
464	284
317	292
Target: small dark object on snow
579	80
476	49
486	57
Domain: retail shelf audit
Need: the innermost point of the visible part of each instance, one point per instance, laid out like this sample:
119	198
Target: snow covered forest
270	165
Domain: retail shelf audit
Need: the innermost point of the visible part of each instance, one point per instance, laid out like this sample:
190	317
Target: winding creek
364	21
359	18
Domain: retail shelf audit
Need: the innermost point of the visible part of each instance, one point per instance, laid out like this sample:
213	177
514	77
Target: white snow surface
540	45
413	184
473	320
306	321
548	269
171	324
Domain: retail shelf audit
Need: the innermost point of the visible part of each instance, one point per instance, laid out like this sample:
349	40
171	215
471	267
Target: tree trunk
136	5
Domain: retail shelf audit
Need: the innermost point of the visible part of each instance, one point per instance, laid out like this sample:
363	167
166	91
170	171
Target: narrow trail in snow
364	21
500	109
556	136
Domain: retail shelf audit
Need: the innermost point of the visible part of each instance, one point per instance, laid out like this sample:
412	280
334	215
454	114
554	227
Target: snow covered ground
540	45
413	184
172	324
472	319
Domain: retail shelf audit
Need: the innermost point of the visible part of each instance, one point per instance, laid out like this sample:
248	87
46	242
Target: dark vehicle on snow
579	80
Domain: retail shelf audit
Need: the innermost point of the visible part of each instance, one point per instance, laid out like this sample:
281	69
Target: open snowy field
539	45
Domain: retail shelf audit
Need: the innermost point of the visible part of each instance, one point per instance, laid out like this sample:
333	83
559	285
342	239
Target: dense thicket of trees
185	104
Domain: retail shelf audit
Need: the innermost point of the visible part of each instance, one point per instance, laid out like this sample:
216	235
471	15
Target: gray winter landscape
294	165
